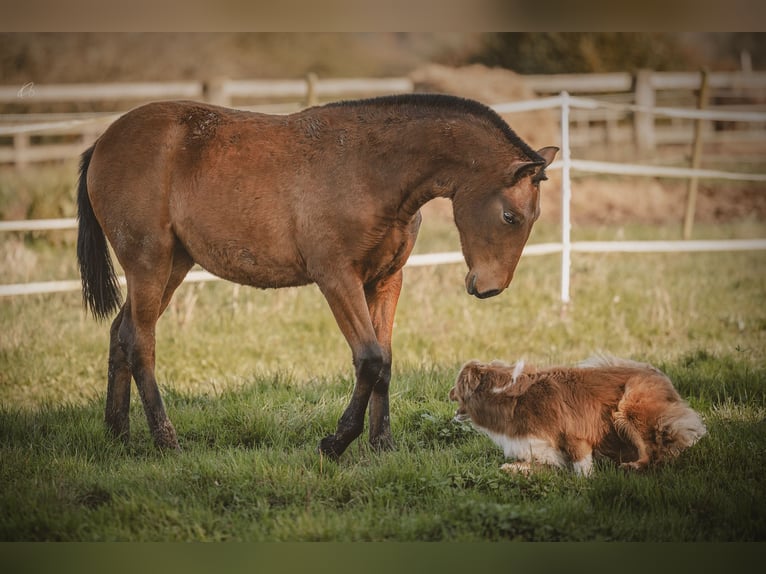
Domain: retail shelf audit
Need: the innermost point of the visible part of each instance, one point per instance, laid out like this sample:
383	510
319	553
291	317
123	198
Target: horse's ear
548	153
519	169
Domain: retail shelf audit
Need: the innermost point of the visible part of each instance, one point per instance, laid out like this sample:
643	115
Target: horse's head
494	224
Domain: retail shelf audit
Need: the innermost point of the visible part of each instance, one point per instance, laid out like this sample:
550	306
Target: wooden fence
33	137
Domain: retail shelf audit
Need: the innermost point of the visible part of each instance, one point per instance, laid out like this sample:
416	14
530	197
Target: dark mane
450	103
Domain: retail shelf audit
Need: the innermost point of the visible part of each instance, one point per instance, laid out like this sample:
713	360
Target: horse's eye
510	218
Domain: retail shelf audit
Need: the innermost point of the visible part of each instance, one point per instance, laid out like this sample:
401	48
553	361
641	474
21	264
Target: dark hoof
165	437
330	448
382	443
118	429
168	446
122	436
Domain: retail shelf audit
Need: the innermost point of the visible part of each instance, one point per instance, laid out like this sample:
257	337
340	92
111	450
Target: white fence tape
452	257
38	224
661	171
41	127
689	114
566	164
688	245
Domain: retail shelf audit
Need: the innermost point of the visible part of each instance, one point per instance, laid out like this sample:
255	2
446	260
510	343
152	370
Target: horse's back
260	199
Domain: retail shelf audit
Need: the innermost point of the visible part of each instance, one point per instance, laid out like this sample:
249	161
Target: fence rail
626	82
566	247
598	124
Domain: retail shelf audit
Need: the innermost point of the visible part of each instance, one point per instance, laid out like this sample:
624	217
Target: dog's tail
599	360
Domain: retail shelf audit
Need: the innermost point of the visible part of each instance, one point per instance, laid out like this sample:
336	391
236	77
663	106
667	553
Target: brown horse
329	195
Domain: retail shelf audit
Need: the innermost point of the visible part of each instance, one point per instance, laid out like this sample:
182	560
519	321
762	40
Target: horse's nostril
471	288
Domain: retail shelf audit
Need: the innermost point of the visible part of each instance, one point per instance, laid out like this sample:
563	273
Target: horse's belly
233	261
264	277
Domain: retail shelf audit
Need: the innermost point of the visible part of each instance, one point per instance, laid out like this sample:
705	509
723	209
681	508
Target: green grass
254	379
249	471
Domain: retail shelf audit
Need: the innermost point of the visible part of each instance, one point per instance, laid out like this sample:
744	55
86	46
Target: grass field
254	379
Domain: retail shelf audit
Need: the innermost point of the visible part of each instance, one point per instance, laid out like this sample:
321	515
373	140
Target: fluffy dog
626	411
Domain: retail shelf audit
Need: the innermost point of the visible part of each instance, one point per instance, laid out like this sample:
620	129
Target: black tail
100	289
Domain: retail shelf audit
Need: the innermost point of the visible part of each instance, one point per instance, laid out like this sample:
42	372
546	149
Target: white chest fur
529	448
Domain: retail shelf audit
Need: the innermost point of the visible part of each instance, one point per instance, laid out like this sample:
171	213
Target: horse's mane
447	102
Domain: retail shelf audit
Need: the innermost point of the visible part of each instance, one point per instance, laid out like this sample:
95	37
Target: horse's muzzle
470	286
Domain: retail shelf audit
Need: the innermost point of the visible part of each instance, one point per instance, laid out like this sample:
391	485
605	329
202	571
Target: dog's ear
470	377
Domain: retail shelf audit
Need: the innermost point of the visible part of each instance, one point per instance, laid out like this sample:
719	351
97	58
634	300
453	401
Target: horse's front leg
382	300
347	302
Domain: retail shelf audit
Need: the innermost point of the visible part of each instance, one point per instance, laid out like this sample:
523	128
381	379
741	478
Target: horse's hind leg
117	416
149	292
136	334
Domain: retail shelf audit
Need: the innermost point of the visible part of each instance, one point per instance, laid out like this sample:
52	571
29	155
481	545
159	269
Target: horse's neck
436	173
417	196
433	155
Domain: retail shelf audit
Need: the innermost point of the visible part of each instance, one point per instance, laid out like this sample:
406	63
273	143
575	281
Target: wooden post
90	134
214	92
20	150
745	61
311	89
643	122
691	193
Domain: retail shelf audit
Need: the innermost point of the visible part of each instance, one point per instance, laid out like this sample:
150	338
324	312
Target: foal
329	195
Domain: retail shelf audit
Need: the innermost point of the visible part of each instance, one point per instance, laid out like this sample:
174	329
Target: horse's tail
100	288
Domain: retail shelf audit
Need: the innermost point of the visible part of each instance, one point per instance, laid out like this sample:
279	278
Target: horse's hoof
382	443
165	437
328	446
119	436
169	447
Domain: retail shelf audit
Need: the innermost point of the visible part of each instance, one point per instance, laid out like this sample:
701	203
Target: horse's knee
371	365
384	377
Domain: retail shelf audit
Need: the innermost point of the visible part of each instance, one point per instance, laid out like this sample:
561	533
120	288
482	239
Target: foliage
581	52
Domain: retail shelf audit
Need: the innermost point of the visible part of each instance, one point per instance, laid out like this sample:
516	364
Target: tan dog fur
626	411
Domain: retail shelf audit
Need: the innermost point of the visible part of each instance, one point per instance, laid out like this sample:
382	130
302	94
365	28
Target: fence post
214	92
691	194
643	122
20	150
311	89
566	200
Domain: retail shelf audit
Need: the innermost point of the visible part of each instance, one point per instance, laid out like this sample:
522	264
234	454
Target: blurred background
87	78
100	57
